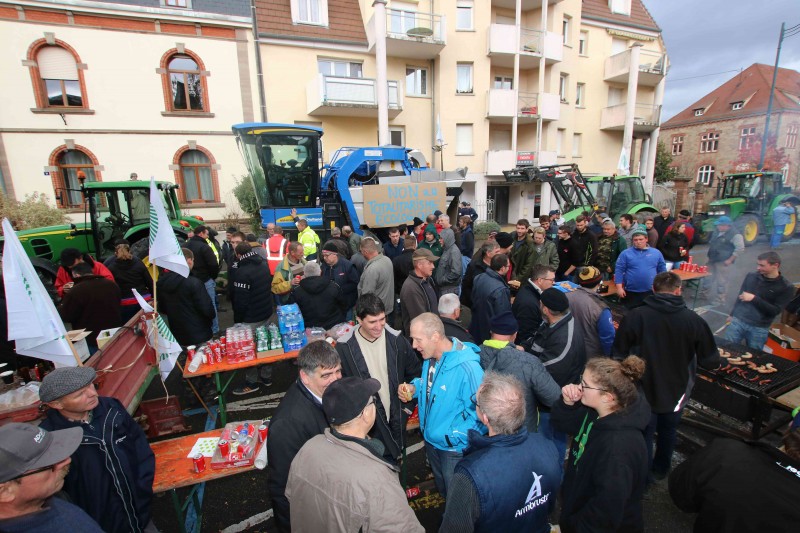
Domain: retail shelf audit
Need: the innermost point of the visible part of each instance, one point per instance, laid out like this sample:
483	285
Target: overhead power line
704	75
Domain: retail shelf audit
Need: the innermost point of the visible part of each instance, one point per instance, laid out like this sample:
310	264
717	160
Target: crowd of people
546	395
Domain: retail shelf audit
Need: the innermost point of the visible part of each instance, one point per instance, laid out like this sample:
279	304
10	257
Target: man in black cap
500	354
466	210
591	312
33	464
418	229
112	471
419	293
338	269
339	480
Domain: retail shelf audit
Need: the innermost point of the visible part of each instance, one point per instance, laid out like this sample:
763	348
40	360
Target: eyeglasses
32	472
548	279
585	386
474	399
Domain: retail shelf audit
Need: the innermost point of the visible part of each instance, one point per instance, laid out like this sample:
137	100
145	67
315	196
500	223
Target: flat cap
63	381
555	300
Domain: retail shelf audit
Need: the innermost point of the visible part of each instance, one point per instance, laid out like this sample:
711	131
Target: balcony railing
652	67
531	41
413	24
646	117
327	92
503	104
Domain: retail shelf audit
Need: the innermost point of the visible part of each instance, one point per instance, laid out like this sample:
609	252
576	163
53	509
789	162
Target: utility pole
794	30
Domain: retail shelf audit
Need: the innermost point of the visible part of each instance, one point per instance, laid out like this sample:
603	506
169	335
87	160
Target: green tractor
617	195
749	199
113	210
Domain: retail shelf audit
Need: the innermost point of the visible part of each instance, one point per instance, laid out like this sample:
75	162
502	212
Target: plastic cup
8	377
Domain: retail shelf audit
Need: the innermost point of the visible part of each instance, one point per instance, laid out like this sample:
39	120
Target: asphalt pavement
241	502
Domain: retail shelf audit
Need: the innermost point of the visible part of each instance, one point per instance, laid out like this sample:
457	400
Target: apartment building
150	87
497	81
722	131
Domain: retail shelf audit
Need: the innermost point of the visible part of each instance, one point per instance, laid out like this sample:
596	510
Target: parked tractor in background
285	162
566	183
748	199
112	210
618	195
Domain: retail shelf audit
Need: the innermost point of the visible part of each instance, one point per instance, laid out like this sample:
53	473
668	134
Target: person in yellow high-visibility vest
306	236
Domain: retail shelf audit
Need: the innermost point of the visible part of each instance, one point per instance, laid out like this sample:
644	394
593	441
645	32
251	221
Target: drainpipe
381	82
262	102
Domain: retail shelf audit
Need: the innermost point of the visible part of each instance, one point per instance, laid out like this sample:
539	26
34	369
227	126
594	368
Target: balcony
349	97
652	67
527	5
532	44
501	105
646	118
499	160
411	34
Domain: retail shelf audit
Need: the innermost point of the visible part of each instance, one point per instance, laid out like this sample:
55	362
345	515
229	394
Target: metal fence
485	210
664	194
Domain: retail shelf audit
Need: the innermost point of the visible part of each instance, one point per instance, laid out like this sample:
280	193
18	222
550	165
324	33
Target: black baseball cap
25	447
345	398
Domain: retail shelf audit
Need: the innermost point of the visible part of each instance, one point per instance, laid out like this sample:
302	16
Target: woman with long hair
129	273
606	469
675	244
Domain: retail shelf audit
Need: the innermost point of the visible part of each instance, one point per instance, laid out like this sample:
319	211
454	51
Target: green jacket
547	256
522	258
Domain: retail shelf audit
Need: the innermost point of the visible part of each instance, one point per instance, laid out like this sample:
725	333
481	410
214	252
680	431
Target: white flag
168	347
439	135
33	321
164	248
623	164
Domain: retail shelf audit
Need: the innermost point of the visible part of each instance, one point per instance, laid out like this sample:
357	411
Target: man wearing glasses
113	468
526	305
339	480
33	465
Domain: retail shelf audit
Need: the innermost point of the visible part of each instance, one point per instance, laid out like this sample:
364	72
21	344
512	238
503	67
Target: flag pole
74	351
155	310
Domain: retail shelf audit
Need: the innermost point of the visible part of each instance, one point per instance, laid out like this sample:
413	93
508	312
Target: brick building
722	131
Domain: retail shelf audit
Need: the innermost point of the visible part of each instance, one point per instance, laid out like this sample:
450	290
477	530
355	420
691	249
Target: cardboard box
78	338
783	341
269	353
104	336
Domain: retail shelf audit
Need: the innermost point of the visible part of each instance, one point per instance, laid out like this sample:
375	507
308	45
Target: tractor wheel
750	227
701	237
788	231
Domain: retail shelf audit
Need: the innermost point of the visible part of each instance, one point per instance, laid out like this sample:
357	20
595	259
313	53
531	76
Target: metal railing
356	91
531	41
402	23
649	61
528	105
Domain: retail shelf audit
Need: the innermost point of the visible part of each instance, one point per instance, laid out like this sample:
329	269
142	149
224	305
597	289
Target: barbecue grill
741	392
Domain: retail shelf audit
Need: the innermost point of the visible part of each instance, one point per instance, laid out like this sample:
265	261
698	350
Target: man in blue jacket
636	269
111	476
451	374
781	216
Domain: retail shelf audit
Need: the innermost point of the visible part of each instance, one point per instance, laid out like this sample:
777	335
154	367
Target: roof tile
345	22
639	17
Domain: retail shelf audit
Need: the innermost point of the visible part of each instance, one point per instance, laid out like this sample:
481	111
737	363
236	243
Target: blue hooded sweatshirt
447	414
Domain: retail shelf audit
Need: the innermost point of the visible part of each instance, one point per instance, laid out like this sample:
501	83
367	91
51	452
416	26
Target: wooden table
219	368
174	470
689	279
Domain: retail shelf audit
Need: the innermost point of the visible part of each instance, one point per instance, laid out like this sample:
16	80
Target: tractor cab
619	194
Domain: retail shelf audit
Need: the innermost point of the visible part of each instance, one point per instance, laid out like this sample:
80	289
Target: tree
663	171
33	212
246	196
774	160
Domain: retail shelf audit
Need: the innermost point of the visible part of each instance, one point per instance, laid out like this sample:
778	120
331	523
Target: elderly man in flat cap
113	468
339	480
33	464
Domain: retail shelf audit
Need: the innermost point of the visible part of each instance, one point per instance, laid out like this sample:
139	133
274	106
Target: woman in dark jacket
129	273
607	465
675	244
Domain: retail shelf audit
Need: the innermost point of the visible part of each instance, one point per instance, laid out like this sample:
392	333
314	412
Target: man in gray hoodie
450	268
501	355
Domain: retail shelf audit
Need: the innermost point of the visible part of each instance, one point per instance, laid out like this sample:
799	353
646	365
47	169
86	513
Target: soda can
224	447
199	462
412	492
211	360
223	344
263	430
190	351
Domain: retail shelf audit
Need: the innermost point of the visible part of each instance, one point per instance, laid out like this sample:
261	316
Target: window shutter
55	63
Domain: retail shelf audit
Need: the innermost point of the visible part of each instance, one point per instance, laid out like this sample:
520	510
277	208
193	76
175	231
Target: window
464	15
503	82
416	81
310	12
187	85
577	140
70	163
464	78
621	7
737	105
699	112
580	90
60	78
195	177
402	17
177	3
583	43
342	69
560	134
565	28
746	138
677	144
397	136
705	174
791	136
463	139
562	88
709	142
785	173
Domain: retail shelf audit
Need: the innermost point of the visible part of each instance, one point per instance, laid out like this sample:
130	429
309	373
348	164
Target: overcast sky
709	37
